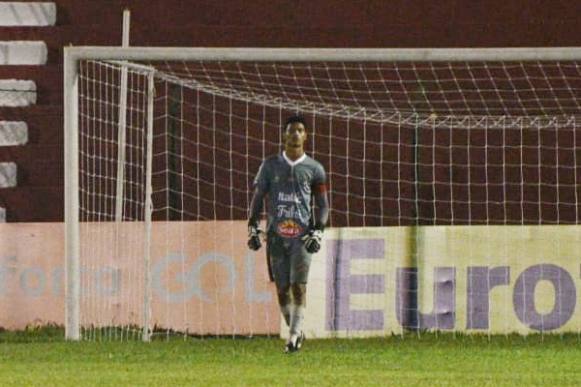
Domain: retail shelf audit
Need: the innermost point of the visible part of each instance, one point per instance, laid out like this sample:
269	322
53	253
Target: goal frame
72	56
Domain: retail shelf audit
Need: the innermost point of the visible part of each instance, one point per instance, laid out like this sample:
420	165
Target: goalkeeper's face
295	135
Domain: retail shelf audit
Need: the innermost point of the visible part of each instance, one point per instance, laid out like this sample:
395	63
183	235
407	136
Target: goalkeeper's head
295	131
297	118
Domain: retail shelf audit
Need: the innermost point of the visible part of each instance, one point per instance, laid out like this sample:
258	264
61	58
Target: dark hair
295	119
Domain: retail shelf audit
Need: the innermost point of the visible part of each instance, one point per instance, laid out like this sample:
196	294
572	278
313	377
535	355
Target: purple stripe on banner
371	283
364	248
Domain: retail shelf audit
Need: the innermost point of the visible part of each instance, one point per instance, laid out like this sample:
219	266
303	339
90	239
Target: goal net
452	179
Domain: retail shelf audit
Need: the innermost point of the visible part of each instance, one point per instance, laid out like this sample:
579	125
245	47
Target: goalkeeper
288	181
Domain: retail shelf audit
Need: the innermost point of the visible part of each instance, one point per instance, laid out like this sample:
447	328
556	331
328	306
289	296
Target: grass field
44	358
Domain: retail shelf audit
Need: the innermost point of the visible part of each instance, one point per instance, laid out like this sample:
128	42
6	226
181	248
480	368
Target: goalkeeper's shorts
289	260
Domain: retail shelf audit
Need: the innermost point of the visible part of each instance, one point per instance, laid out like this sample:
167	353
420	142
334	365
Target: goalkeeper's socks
296	321
286	313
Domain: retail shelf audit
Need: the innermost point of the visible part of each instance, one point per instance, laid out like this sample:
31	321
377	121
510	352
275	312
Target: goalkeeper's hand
254	242
312	240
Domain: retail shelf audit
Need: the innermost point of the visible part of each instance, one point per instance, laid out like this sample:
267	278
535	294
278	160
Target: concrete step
40	173
27	13
23	52
37	165
13	133
33	204
16	92
48	80
45	123
8	175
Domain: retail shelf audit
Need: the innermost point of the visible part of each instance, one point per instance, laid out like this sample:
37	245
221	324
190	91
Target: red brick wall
259	23
333	23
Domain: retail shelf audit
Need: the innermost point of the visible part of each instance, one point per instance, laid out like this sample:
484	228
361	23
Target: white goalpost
452	178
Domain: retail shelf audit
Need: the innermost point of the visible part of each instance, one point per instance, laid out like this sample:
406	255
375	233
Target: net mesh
404	144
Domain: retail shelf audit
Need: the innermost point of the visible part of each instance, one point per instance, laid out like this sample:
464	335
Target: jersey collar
297	161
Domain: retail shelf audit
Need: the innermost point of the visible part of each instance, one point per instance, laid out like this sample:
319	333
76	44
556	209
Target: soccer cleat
300	341
294	345
289	347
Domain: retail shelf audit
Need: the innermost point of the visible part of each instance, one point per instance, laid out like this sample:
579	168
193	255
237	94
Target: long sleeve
319	187
322	215
261	184
256	207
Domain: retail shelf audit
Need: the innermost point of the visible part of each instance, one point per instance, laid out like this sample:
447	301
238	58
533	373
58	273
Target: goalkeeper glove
312	240
254	242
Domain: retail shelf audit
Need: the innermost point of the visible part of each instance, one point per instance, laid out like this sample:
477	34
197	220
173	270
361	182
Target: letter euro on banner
472	279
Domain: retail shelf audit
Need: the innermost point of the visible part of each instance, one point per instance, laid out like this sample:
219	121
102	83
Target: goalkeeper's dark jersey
289	187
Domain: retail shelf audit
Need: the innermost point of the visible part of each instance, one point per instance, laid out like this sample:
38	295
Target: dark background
39	195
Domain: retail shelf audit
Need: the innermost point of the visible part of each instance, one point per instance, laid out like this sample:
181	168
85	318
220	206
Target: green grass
42	357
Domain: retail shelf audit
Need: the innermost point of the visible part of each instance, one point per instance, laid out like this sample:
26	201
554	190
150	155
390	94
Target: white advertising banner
204	278
363	282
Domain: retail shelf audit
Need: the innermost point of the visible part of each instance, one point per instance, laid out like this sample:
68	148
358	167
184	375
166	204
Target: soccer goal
453	181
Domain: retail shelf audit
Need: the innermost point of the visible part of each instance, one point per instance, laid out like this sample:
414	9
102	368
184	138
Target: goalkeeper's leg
297	336
300	264
280	266
284	302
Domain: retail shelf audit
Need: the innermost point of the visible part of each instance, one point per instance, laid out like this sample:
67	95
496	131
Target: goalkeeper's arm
254	230
322	214
313	238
